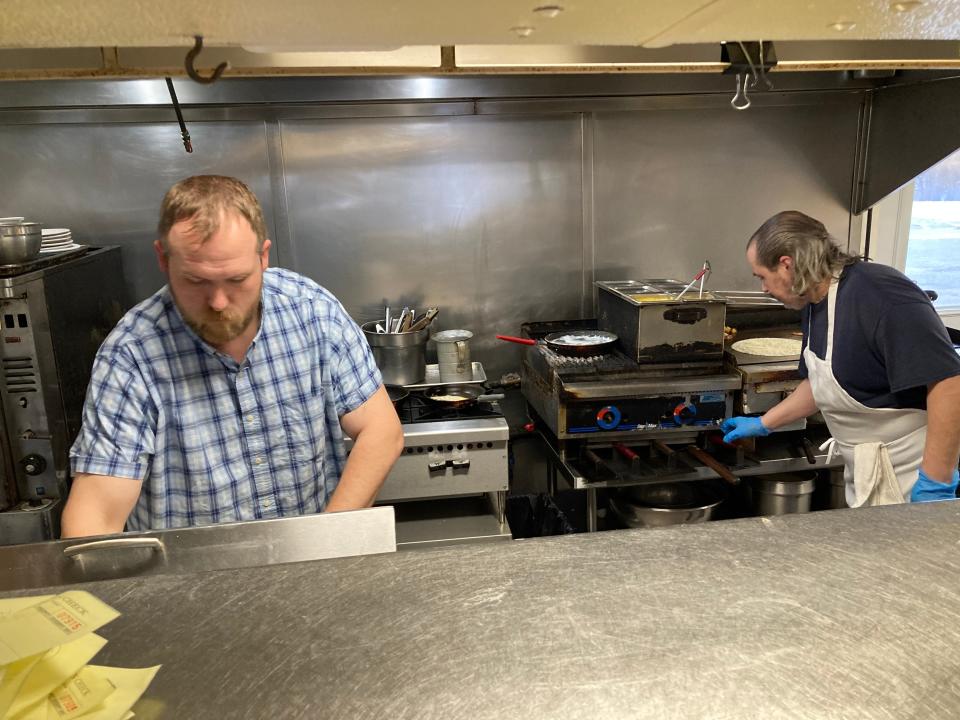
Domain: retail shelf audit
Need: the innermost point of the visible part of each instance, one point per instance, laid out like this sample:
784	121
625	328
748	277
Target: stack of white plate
57	240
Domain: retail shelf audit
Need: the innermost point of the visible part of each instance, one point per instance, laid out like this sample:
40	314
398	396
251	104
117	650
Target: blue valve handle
609	417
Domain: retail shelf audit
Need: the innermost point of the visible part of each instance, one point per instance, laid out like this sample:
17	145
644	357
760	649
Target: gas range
448	452
612	396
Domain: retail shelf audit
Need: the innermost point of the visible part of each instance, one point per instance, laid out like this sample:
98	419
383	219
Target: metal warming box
655	327
54	313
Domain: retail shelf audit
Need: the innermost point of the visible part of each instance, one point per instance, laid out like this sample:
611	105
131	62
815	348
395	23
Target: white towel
874	480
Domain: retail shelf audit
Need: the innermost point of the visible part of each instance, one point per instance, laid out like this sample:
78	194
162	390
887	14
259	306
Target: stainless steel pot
838	491
401	357
782	494
19	243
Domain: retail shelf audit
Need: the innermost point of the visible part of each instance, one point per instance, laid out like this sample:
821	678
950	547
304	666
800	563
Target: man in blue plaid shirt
226	395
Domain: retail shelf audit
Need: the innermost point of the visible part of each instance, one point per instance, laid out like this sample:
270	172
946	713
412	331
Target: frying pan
572	342
458	396
396	393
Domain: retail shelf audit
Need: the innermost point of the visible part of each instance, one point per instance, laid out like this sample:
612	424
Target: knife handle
425	320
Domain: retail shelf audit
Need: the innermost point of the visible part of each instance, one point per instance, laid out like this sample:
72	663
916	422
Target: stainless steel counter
852	614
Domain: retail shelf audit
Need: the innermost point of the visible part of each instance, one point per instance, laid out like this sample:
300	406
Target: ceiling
281	25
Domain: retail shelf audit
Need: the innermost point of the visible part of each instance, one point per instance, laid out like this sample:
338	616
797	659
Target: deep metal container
19	243
838	490
657	328
782	494
401	357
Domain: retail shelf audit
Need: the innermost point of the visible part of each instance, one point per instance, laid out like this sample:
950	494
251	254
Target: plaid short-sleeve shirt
215	440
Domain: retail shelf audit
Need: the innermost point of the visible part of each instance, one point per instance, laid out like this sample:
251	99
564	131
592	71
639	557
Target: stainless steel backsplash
498	212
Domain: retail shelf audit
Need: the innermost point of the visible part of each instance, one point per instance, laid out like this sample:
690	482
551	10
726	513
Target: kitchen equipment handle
625	451
491	398
719	468
668	452
522	341
808	451
685	316
599	464
114	543
461	355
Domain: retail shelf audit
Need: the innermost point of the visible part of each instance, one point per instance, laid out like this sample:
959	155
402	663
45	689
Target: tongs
701	276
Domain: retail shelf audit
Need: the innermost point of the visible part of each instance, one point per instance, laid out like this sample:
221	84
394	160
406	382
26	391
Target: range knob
608	417
33	464
684	413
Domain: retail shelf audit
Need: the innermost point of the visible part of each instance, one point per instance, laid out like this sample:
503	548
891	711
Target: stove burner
417	409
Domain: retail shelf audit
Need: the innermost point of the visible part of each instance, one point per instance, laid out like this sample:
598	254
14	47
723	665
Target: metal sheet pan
432	378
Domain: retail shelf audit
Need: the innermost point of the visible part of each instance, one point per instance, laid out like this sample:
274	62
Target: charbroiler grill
641	414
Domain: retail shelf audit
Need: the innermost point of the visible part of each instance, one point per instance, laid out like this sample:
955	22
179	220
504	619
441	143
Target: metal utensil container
656	328
19	243
401	357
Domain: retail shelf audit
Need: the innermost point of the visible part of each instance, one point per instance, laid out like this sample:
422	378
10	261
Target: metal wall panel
497	218
480	216
674	187
106	182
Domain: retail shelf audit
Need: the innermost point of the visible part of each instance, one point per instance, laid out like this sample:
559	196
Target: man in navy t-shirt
877	362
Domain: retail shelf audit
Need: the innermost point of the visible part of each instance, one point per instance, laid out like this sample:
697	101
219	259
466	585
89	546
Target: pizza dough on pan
768	347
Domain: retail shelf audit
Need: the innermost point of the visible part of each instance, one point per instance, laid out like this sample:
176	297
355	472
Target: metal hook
740	100
191	56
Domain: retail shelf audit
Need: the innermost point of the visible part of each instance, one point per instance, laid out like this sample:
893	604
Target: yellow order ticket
126	684
55	621
13	679
55	667
12	605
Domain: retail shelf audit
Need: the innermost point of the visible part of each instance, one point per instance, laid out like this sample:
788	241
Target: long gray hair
816	255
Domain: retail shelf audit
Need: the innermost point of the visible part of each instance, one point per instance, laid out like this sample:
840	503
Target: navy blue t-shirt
888	341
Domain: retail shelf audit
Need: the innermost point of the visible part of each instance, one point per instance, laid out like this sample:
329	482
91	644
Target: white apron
881	447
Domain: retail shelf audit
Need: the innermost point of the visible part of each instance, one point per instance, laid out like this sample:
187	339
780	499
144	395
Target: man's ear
265	255
162	259
786	261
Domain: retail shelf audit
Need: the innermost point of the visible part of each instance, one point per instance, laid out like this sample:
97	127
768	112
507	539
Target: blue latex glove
738	428
927	490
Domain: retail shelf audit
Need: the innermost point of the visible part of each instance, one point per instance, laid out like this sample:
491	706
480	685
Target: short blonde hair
816	255
201	199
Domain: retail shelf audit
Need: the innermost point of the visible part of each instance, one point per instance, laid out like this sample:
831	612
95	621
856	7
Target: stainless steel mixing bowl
19	243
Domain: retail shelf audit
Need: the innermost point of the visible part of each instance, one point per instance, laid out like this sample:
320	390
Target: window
933	244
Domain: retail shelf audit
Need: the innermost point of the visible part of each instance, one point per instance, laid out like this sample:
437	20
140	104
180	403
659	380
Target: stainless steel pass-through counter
852	614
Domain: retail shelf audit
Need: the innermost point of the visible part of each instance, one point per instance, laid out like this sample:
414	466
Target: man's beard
218	328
